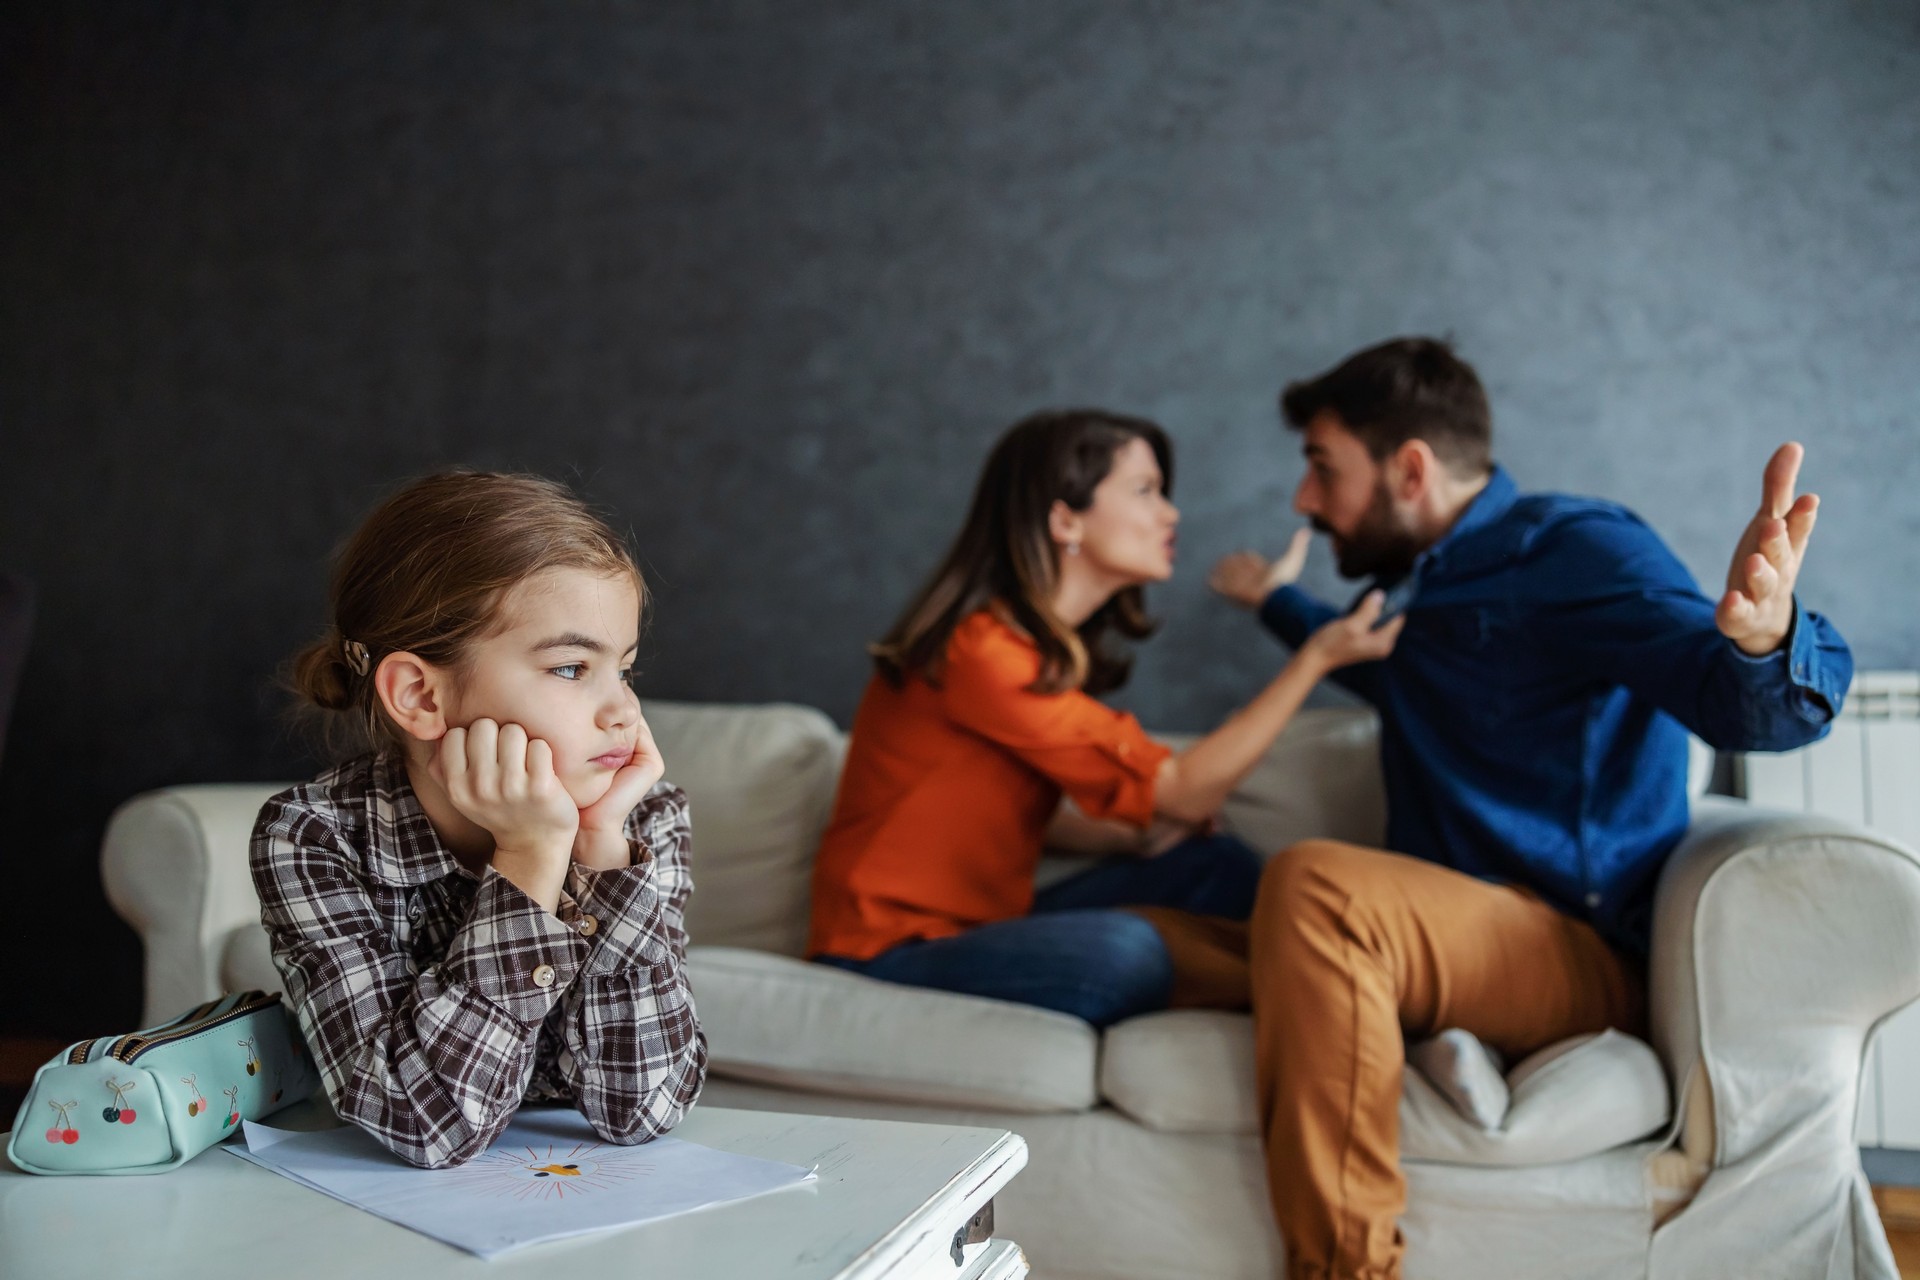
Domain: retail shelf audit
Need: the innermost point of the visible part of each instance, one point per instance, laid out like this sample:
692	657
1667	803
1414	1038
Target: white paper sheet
546	1178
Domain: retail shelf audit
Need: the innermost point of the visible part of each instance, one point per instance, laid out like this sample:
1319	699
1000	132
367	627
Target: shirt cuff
513	952
1129	797
620	915
1801	664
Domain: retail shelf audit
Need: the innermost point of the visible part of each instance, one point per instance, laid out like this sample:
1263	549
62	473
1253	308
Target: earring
1073	548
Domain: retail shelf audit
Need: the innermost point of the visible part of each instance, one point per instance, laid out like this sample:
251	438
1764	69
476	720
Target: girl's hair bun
320	675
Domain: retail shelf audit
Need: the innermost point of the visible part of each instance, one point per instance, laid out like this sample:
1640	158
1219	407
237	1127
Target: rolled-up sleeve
1097	755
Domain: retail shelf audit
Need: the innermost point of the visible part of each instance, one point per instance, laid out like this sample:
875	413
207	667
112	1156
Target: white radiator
1866	770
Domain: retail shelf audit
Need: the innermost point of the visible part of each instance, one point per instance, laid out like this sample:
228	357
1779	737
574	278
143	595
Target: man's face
1345	494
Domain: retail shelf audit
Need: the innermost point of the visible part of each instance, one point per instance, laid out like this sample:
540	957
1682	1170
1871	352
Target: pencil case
155	1099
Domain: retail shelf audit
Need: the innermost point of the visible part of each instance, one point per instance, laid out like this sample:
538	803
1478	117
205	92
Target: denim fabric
1075	953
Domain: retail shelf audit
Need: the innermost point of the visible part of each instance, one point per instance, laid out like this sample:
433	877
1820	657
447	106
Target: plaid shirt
436	1000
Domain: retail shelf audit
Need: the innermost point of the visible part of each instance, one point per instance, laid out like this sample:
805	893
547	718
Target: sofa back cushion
760	780
1321	779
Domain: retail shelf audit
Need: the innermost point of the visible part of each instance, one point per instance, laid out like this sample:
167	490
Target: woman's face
1127	534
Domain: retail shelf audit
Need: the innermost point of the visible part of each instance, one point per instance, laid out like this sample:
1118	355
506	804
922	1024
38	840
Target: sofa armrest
174	864
1780	942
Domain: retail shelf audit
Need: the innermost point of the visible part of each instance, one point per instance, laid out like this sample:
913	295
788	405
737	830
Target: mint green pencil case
153	1100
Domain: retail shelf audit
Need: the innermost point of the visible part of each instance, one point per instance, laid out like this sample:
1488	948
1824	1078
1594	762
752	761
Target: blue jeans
1076	954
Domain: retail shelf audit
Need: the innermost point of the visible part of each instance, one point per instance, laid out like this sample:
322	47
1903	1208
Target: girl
486	907
981	717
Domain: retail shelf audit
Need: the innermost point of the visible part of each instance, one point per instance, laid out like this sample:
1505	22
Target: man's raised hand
1756	612
1247	577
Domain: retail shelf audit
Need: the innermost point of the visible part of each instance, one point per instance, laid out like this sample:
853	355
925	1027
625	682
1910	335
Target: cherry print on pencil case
118	1112
63	1131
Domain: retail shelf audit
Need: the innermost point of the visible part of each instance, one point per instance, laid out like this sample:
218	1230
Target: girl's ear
1065	525
413	692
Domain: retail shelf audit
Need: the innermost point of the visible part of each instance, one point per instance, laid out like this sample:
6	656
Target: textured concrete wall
767	278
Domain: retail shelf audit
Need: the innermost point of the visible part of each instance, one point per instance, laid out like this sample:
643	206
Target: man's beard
1379	546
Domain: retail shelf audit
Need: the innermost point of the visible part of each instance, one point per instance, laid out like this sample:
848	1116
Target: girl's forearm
1194	784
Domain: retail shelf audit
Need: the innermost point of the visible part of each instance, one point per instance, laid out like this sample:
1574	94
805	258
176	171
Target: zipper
80	1052
204	1018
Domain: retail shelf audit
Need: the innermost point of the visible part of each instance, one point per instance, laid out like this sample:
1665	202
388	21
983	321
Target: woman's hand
1168	833
1354	638
503	781
1247	578
602	839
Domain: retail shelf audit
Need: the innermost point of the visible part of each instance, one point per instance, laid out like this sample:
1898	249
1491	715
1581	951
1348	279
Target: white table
892	1199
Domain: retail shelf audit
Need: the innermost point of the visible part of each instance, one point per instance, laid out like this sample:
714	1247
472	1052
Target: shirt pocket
1470	655
1456	629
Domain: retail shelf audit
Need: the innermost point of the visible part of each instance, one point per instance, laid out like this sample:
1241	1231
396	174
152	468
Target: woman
979	741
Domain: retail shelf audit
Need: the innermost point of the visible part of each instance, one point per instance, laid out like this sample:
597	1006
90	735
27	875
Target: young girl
485	908
981	717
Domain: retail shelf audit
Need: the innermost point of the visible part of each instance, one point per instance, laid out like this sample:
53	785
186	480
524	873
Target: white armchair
1781	943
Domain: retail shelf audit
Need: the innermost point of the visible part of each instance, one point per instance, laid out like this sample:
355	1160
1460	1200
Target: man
1534	715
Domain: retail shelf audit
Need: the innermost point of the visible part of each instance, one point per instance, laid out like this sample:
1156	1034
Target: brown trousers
1350	952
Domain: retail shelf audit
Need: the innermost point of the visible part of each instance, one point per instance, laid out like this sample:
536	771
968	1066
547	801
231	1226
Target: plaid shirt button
543	976
588	926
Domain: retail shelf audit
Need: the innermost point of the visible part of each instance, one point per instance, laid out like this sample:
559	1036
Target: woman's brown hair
1005	557
426	573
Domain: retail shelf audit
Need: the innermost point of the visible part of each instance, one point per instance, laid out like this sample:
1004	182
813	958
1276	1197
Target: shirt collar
1493	501
402	846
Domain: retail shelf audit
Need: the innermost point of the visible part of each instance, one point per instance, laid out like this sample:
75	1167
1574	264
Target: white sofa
1781	943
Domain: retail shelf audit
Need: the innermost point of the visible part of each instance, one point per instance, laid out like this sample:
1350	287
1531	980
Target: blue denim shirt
1535	710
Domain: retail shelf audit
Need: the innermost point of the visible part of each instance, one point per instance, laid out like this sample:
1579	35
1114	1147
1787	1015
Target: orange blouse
948	790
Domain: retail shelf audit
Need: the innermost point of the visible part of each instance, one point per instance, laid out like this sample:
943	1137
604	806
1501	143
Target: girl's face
1128	532
558	668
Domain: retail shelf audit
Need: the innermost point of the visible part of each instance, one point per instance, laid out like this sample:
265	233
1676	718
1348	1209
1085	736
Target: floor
1900	1213
1899	1206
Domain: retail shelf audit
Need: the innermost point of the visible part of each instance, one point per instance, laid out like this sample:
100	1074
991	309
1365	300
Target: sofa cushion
1572	1099
782	1021
760	783
1191	1071
1320	779
1182	1071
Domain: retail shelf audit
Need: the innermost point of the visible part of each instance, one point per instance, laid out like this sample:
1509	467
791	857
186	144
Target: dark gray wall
767	278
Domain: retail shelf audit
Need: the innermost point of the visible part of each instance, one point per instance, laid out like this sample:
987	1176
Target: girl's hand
500	779
602	839
1351	639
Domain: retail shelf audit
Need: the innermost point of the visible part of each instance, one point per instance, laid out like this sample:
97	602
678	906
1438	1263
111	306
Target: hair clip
356	656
